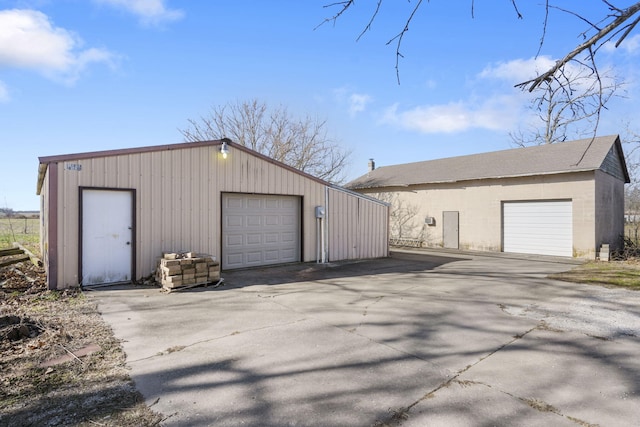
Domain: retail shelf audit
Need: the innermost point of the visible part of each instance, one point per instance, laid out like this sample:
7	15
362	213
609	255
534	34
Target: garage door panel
254	257
235	260
288	220
542	227
288	254
272	204
233	202
254	203
254	239
271	237
288	203
254	221
234	239
288	237
272	220
261	230
234	221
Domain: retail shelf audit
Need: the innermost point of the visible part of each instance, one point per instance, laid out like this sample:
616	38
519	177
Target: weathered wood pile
17	254
185	270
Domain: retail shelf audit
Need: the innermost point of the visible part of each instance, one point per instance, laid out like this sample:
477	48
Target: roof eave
42	170
46	160
453	181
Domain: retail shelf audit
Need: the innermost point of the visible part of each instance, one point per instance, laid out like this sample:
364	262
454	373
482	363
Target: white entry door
107	230
259	229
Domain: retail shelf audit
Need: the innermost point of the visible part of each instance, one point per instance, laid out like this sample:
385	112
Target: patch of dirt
85	389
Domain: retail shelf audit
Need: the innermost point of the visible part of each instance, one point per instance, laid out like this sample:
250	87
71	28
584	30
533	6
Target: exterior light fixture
224	149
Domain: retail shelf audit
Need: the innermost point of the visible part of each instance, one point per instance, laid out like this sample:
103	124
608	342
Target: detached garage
108	216
563	199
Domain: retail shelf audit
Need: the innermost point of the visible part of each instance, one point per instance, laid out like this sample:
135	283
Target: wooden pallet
185	287
16	254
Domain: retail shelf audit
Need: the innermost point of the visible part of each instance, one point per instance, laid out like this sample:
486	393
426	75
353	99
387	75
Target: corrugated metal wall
44	222
178	204
358	226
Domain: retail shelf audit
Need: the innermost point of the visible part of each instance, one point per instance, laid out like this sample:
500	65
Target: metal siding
178	195
68	225
542	227
44	220
357	227
177	199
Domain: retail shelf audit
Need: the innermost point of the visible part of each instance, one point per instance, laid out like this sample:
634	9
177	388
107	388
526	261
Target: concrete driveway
428	339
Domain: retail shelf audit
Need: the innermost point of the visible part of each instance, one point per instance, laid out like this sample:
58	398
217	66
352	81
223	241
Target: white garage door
259	230
544	227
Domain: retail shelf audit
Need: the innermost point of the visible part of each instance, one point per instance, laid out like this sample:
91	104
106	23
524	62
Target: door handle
128	243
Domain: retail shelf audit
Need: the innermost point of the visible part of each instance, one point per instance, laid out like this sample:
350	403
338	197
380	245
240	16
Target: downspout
325	235
52	224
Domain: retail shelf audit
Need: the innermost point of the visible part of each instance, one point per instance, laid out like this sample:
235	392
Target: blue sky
86	75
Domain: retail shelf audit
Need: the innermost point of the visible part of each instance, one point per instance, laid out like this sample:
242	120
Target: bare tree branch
616	27
344	6
298	142
400	36
373	17
544	27
588	45
569	104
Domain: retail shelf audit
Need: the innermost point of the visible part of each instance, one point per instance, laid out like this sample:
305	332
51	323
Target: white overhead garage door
543	227
259	230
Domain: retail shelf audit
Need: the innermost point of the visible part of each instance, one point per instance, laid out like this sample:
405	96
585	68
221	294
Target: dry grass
21	230
624	274
84	391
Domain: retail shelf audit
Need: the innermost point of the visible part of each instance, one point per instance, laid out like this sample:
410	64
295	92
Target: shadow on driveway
415	339
304	272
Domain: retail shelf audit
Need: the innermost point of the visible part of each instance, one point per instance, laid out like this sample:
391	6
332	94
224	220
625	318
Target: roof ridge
571	156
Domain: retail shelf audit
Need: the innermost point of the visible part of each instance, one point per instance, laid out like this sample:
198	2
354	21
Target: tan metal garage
108	216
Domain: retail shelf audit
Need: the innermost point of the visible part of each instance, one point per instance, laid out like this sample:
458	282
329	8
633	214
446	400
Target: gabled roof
567	157
46	160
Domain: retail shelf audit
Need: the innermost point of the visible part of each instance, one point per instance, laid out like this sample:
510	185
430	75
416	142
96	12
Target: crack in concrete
365	312
395	420
401	414
230	334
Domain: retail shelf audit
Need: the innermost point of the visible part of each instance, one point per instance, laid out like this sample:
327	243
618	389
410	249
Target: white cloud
498	113
630	45
493	104
4	93
29	40
518	70
150	12
358	102
354	102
